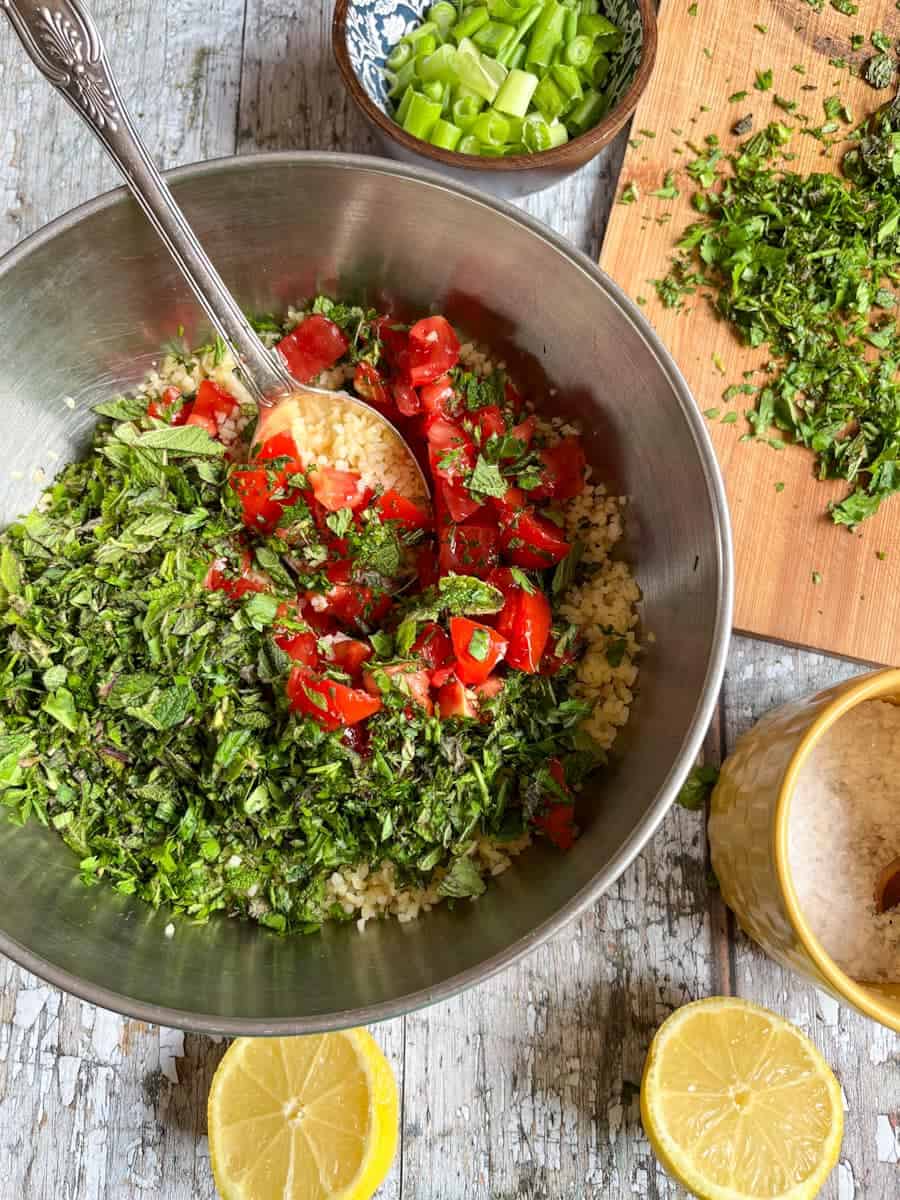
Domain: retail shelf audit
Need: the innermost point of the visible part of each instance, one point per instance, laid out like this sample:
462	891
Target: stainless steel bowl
85	305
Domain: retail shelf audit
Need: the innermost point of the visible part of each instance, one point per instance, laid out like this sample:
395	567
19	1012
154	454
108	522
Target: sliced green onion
587	111
511	11
461	92
512	50
404	77
403	106
590	6
399	56
446	135
515	129
597	68
490	151
434	90
578	51
548	31
465	112
515	95
603	33
549	100
425	30
478	72
441	65
422	116
566	79
494	37
517	59
513	149
469	145
491	129
470	23
570	25
559	135
424	47
443	15
536	133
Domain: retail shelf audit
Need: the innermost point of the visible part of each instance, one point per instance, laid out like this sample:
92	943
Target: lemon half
738	1104
303	1118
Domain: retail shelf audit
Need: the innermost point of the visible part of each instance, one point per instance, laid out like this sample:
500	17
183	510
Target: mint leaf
463	879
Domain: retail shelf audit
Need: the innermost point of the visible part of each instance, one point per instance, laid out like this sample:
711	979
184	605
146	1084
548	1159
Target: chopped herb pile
807	266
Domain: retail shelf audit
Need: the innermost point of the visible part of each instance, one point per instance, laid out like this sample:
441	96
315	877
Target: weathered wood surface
524	1088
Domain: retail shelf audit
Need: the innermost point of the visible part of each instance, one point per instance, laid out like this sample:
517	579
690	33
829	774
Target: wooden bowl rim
573	153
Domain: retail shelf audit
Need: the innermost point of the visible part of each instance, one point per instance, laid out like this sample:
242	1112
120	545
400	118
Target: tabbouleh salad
247	669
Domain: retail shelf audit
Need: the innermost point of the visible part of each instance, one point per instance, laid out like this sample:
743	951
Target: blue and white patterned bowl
365	31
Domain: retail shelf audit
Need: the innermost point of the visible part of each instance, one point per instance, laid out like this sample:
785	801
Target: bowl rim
572	154
210	1023
874	685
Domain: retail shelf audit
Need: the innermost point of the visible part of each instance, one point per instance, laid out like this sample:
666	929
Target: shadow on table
183	1104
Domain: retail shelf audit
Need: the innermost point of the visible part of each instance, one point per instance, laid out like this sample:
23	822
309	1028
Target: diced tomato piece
525	622
331	704
357	738
440	397
450	449
349	654
370	385
491	688
301	647
356	605
407	399
453	702
162	408
336	489
468	550
562	476
489	420
524	431
433	645
552	663
477	647
263	493
220	579
557	824
433	350
511	502
394	340
212	407
394	507
409	677
456	500
426	565
532	541
314	346
318	619
443	675
558	773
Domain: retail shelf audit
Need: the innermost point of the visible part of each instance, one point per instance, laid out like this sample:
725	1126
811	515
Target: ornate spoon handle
64	43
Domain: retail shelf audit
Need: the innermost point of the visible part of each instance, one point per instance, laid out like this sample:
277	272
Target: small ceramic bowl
748	837
365	31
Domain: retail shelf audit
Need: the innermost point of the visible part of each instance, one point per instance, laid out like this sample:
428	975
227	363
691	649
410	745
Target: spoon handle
63	42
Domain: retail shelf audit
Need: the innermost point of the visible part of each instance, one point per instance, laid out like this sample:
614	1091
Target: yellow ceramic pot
748	833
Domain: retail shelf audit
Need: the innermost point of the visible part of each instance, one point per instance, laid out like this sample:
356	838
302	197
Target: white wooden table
525	1087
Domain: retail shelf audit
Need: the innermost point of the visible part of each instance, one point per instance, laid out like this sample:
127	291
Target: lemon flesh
739	1105
304	1118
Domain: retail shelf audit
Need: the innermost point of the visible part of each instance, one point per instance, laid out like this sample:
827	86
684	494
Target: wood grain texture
783	537
523	1088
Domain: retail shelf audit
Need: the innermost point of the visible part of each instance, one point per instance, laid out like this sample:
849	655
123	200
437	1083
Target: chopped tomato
532	541
409	677
524	621
558	773
489	421
263	493
407	399
552	663
468	550
357	738
453	702
524	431
511	502
349	654
312	347
443	675
478	649
317	619
355	605
301	647
562	475
439	397
212	407
491	688
394	340
433	646
331	704
433	350
162	408
557	822
394	507
336	489
219	578
371	386
456	500
450	449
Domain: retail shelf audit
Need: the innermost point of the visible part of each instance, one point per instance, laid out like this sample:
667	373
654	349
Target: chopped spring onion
421	116
515	95
469	145
399	56
578	51
470	23
536	133
446	135
549	100
441	65
548	31
465	110
491	128
443	15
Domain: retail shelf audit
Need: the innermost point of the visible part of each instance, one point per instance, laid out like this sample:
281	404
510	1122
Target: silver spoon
65	45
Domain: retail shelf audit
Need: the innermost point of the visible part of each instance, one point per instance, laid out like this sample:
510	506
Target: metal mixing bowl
85	305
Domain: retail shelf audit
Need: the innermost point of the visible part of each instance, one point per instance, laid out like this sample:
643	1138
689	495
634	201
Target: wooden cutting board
800	579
